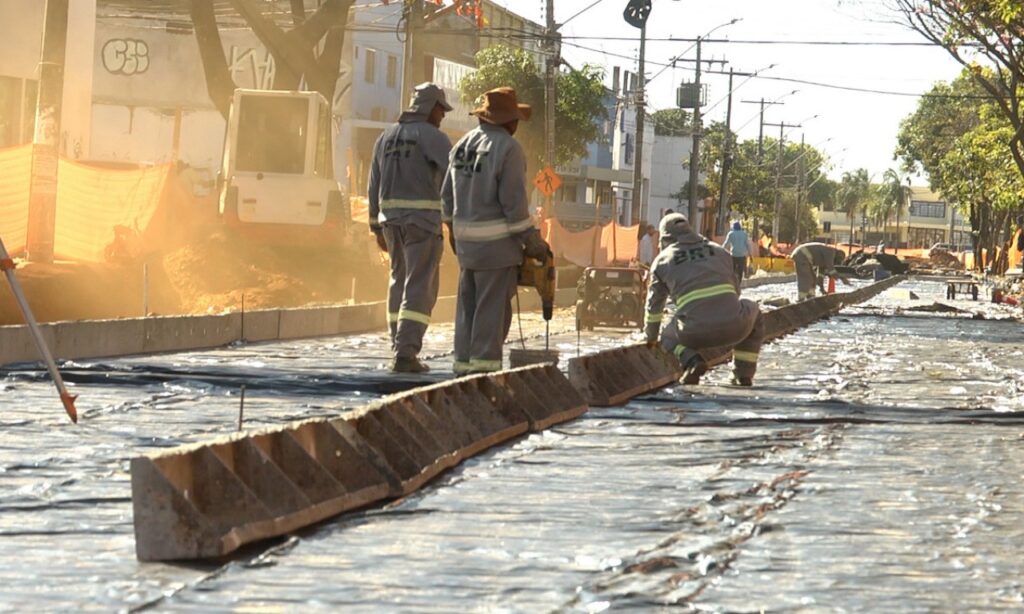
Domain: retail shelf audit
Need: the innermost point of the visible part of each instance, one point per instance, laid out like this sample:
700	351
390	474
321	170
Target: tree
309	51
962	145
579	106
992	30
892	200
853	194
672	122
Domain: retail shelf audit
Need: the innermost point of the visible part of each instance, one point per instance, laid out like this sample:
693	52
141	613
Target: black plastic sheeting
874	466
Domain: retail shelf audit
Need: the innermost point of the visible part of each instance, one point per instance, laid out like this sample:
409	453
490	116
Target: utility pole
42	207
550	73
778	177
801	178
695	149
413	23
723	191
638	152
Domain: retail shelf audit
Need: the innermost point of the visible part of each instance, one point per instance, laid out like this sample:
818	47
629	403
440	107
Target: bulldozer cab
278	167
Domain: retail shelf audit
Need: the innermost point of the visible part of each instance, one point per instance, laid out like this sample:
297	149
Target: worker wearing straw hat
486	206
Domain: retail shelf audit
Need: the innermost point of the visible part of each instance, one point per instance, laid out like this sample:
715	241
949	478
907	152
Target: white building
669	173
624	153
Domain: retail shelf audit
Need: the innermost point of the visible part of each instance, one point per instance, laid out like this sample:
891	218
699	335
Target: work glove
378	234
536	247
451	237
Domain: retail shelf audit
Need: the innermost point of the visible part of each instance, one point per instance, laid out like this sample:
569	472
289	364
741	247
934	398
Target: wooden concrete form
206	500
128	336
613	377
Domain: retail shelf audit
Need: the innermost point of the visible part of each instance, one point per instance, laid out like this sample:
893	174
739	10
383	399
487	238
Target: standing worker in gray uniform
409	160
487	209
710	317
814	262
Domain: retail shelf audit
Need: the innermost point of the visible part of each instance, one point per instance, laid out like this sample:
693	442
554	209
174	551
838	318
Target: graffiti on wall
255	64
126	56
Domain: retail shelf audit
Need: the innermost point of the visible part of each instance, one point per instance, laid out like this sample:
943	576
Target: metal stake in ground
68	399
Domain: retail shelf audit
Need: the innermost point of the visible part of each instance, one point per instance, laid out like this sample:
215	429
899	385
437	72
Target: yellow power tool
540	274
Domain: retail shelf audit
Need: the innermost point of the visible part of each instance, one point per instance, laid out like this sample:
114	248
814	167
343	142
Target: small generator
611	297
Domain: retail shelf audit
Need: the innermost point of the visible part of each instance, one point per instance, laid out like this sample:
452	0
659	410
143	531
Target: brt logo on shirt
695	253
400	148
469	160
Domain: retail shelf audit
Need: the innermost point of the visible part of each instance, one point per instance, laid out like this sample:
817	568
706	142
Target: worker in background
645	249
814	262
487	211
409	161
737	242
709	314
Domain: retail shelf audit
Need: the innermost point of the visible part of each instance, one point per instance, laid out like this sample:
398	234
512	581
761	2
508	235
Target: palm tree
894	196
854	190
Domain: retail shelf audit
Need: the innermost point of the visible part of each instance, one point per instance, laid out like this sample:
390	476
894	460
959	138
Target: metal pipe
68	399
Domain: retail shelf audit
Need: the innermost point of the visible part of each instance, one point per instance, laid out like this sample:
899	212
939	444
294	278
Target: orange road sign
547	181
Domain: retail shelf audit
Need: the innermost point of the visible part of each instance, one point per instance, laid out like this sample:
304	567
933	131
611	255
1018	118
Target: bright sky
862	126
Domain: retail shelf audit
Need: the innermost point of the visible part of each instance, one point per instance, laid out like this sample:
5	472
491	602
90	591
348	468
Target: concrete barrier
128	336
613	377
206	500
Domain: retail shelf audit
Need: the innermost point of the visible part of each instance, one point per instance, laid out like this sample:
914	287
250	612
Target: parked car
950	247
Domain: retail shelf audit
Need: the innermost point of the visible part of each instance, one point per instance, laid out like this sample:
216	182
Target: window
392	74
629	148
17	110
920	208
272	134
370	69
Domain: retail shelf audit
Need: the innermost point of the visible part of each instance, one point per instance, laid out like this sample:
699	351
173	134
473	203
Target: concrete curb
129	336
207	500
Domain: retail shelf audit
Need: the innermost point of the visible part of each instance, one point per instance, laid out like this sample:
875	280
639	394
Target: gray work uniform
409	160
812	260
484	197
709	315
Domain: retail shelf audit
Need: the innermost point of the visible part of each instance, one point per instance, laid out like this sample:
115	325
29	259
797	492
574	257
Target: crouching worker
710	317
814	262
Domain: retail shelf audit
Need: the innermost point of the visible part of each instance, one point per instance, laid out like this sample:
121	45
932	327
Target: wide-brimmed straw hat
500	106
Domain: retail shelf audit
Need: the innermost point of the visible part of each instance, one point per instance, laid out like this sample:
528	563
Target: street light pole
695	147
638	152
723	192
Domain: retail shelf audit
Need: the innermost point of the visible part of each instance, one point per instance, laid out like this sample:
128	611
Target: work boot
408	364
742	381
693	371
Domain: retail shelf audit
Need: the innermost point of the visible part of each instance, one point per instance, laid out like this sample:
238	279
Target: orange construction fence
100	212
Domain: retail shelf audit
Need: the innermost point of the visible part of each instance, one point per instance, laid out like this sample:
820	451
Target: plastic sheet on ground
874	467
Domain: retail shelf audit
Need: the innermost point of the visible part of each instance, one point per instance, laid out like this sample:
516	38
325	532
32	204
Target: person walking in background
737	243
409	162
646	250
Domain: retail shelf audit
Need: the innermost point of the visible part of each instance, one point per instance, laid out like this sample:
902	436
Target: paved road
875	466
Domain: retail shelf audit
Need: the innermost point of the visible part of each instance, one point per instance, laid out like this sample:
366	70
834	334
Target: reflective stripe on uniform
490	230
703	293
401	203
655	318
392	317
460	366
477	364
744	356
415	316
678	350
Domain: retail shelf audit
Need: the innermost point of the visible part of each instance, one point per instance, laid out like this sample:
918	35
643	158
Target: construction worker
815	261
710	317
409	161
487	210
